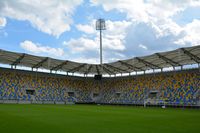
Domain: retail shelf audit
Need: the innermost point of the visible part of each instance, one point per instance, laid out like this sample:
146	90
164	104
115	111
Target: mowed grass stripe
96	119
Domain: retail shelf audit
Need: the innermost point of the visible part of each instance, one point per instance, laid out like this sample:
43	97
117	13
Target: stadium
151	93
178	88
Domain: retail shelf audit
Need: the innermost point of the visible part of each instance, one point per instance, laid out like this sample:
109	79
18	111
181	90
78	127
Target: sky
65	29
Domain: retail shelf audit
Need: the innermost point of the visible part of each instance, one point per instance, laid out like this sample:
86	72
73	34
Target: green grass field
96	119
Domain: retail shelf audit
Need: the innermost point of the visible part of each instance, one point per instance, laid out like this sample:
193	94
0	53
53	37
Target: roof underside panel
178	57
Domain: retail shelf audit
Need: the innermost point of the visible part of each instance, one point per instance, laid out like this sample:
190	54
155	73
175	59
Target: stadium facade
180	87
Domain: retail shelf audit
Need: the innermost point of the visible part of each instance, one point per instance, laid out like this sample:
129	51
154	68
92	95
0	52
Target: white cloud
145	10
156	13
134	9
113	43
116	27
115	34
192	34
88	29
166	27
38	48
143	46
49	16
2	22
81	44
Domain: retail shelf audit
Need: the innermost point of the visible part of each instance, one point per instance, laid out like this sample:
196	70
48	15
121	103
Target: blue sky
65	29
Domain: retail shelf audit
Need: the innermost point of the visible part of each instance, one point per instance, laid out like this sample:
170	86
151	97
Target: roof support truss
88	70
107	70
76	68
56	68
40	63
18	60
153	66
167	60
130	66
192	56
116	68
97	68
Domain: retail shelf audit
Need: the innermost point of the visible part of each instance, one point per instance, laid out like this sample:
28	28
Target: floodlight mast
100	25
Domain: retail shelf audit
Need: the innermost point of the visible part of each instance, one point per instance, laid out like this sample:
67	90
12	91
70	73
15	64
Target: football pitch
16	118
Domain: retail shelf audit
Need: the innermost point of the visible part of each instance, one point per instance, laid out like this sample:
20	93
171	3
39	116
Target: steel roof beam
117	69
107	70
40	63
18	60
97	69
192	56
130	66
76	68
167	60
152	66
88	70
59	66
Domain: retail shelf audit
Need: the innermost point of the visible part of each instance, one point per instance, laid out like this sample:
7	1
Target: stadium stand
175	88
15	84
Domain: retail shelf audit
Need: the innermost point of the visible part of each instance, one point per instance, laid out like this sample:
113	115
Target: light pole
100	25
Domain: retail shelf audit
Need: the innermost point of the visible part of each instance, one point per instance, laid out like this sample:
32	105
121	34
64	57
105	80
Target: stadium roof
178	57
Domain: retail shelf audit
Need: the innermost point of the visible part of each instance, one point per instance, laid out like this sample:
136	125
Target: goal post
155	102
